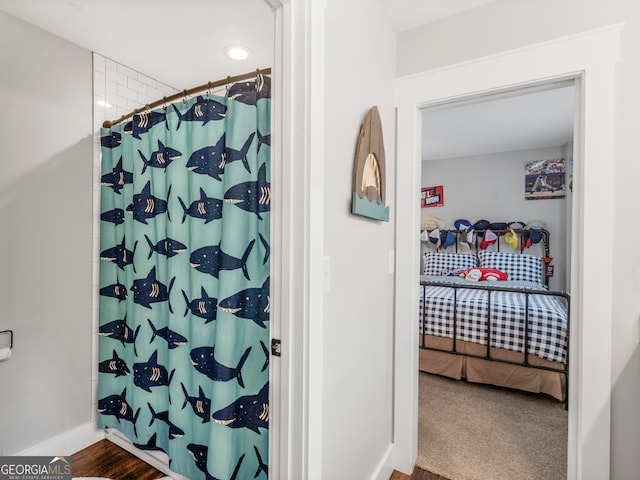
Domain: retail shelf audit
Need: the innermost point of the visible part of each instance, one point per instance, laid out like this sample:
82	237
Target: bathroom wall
49	210
45	236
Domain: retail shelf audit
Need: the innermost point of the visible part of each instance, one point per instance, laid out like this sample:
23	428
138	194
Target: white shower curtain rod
187	93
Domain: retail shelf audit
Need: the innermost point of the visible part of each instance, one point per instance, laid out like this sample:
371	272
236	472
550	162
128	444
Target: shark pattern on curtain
184	282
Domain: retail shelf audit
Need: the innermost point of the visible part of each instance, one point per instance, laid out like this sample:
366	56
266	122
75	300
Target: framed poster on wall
544	179
432	197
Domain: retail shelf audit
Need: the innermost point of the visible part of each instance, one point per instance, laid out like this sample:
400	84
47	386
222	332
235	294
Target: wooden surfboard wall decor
369	170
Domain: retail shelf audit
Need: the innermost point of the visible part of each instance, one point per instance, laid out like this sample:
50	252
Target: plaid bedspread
547	317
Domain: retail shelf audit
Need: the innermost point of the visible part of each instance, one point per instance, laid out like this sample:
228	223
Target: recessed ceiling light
102	103
237	52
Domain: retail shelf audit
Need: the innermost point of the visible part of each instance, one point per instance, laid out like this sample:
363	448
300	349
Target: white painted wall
503	25
123	89
45	246
491	187
508	24
358	309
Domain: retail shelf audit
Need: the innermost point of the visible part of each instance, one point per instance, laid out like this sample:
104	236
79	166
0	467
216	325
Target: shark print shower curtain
184	282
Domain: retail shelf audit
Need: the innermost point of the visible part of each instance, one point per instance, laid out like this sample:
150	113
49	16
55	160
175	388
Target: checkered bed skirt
547	322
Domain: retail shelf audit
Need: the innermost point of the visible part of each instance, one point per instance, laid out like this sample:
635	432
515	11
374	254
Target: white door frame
591	58
297	233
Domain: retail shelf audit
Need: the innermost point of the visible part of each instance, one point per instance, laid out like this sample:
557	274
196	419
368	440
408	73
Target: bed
474	330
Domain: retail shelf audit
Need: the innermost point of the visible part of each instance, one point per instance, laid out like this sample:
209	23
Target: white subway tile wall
117	90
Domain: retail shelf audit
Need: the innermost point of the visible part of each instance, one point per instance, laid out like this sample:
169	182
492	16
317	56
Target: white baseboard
158	460
72	441
384	470
67	443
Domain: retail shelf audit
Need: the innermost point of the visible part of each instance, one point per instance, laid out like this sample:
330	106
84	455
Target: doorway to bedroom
481	158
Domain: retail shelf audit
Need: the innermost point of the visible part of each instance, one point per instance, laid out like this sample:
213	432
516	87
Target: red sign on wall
432	197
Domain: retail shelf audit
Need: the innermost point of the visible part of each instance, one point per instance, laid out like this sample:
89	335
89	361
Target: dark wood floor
106	459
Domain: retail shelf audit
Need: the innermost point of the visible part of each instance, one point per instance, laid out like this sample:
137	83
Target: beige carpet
476	432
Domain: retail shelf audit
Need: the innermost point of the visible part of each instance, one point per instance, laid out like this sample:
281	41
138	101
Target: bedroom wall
492	188
509	24
45	247
358	309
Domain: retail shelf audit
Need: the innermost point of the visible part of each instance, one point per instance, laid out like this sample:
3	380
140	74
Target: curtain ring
184	96
209	87
164	103
228	83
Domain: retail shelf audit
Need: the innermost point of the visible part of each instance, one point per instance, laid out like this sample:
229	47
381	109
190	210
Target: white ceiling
178	42
182	43
504	123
